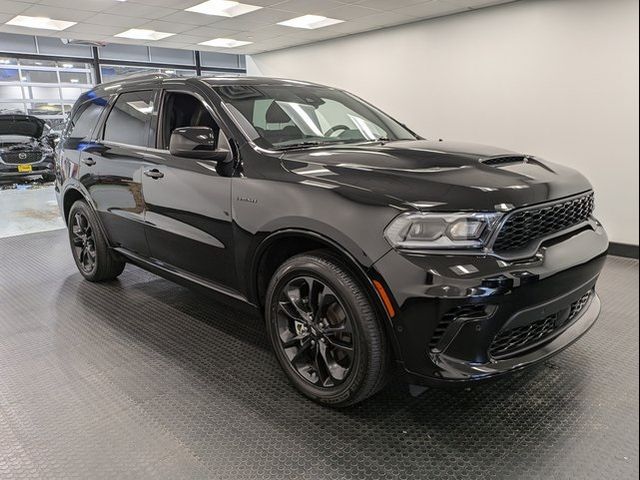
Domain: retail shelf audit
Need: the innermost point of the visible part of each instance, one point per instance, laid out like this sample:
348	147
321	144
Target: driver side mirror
197	143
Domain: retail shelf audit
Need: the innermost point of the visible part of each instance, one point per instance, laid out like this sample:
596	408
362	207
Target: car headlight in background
423	231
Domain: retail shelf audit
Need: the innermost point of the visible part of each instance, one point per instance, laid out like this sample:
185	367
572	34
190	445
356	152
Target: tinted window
85	118
129	120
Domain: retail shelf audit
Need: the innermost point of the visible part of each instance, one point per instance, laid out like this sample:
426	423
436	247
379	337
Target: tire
94	259
333	347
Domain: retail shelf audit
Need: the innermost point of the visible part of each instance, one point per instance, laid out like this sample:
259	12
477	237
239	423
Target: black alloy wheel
84	246
315	331
94	259
325	331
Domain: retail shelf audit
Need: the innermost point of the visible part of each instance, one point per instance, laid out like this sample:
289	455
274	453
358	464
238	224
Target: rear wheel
325	332
95	261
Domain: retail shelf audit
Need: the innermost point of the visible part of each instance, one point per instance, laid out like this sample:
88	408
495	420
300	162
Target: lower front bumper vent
467	311
514	340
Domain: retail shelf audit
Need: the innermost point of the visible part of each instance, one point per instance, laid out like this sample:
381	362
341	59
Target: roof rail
137	76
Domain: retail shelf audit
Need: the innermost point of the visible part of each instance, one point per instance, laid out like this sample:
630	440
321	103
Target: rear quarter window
85	118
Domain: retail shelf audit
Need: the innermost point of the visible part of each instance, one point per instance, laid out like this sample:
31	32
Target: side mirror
196	142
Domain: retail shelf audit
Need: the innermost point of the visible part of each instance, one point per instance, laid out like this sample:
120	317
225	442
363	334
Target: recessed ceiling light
39	22
310	22
142	34
225	43
223	8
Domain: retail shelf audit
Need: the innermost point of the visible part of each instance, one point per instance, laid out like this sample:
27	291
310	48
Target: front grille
15	157
507	342
467	311
524	227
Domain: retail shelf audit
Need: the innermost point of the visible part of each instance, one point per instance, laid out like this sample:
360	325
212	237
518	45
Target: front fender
364	255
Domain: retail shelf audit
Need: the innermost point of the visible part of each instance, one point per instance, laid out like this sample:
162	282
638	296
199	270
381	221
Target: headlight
441	230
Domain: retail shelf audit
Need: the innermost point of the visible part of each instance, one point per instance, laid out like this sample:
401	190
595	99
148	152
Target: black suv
26	147
365	245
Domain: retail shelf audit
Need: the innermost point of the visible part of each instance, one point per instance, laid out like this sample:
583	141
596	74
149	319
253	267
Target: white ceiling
101	19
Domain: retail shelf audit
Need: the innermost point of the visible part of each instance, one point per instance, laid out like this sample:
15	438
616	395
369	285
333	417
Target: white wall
555	78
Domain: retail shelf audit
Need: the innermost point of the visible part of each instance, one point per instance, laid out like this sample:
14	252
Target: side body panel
114	183
188	217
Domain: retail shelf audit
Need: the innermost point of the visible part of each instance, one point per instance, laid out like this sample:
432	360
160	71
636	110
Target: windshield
282	117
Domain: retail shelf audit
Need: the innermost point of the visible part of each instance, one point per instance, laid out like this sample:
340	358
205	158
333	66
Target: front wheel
95	261
326	334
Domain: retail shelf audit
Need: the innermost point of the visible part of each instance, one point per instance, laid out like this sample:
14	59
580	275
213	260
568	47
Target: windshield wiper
378	140
294	146
307	144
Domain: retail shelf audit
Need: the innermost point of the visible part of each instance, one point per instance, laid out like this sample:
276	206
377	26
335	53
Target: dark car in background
26	147
364	245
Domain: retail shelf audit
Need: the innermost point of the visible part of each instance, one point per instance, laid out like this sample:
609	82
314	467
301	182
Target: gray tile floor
141	378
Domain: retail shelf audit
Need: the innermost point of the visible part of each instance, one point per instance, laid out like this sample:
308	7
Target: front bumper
45	167
454	326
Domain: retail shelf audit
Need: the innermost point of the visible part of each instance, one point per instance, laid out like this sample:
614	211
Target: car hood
24	125
436	175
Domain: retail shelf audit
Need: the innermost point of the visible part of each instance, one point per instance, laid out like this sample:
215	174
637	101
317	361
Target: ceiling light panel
223	8
310	22
40	22
142	34
225	43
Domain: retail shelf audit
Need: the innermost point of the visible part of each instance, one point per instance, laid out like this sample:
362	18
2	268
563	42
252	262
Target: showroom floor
28	206
143	378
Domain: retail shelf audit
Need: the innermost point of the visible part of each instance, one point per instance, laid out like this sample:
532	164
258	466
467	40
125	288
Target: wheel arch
282	245
70	196
74	192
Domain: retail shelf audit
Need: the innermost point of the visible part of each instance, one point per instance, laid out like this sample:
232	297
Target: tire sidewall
308	266
81	207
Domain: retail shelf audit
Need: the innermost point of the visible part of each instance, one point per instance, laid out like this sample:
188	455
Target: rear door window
130	119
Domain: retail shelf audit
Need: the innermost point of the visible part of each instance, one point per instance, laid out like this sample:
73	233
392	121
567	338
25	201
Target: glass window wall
44	88
43	76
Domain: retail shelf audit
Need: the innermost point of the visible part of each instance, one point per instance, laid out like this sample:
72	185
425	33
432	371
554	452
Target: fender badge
247	199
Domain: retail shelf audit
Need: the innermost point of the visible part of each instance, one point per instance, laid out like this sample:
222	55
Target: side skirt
189	280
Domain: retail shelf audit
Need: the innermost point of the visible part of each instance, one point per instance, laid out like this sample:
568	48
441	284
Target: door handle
154	173
90	162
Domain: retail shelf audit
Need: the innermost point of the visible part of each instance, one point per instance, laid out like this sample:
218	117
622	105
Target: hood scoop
497	161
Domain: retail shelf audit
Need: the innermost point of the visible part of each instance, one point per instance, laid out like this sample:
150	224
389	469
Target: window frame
188	91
